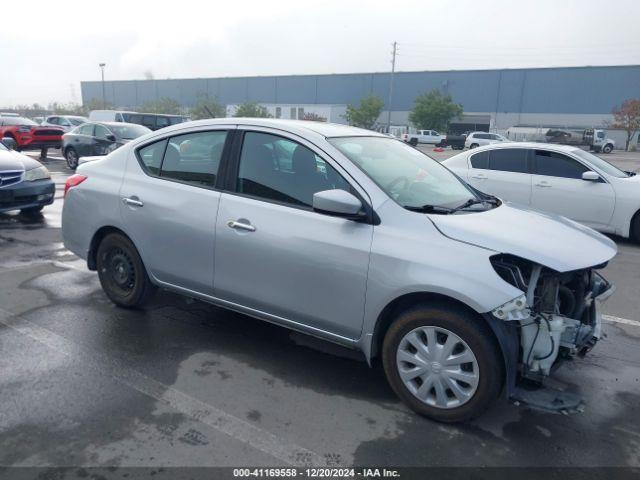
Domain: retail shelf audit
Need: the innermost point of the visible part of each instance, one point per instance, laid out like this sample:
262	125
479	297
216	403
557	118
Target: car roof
550	146
324	129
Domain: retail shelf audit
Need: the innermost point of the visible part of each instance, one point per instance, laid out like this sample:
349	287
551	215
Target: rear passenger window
194	158
480	160
508	160
557	165
151	157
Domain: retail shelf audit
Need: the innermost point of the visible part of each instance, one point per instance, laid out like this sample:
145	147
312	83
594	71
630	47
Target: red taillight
73	181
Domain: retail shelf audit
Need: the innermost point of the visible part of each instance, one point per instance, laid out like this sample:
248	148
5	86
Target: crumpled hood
545	238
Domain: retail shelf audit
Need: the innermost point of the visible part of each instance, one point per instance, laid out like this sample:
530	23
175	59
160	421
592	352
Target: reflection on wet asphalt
85	383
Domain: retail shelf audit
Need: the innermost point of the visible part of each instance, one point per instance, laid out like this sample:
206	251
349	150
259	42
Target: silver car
354	237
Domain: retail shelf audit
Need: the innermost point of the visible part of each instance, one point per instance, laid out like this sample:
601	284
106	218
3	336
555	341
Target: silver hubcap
437	367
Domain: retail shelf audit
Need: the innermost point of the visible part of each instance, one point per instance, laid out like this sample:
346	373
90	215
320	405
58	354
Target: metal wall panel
552	90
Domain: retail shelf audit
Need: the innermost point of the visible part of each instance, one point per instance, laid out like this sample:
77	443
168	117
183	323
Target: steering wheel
399	179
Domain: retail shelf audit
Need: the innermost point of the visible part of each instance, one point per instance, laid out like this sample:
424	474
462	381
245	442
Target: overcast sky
44	57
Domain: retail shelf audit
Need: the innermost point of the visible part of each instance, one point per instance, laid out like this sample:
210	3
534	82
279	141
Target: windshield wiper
429	209
475	201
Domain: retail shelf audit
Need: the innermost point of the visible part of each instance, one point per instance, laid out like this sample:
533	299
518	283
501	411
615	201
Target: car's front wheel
32	210
71	156
635	227
607	148
122	274
443	362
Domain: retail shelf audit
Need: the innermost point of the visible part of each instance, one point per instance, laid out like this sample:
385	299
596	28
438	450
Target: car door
169	205
503	172
104	140
558	187
274	254
83	140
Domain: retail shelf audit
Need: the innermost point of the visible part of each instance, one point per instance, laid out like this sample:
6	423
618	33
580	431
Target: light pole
104	98
393	71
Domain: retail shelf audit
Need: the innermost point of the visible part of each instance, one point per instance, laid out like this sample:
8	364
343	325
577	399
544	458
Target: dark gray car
98	138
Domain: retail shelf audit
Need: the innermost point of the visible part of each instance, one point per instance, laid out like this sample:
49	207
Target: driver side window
277	169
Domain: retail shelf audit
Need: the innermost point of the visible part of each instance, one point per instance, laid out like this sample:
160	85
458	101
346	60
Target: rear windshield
128	132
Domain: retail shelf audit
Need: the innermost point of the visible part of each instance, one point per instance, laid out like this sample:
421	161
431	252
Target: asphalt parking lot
85	383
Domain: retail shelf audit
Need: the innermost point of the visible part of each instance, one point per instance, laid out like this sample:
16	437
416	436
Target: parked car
25	184
456	142
352	236
66	122
554	178
480	139
94	138
423	136
153	121
28	135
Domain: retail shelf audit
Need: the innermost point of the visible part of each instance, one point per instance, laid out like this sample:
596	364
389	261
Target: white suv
479	139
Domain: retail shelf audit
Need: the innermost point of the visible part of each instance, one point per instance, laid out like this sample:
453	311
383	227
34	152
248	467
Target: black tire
474	145
607	148
122	274
478	337
72	158
32	210
635	227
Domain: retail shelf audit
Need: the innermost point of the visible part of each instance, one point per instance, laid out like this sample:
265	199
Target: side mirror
338	203
111	137
591	176
10	143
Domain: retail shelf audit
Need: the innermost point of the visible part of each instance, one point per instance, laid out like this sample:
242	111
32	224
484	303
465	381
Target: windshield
128	132
601	164
77	120
16	121
407	175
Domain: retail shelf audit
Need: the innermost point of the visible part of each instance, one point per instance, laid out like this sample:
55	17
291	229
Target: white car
480	139
556	178
423	136
66	122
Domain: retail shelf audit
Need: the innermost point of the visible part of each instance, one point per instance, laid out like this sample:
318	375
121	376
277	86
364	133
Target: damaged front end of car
555	319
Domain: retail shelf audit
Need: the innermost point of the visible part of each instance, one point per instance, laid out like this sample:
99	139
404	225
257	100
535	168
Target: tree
166	105
313	117
252	109
434	110
96	104
627	117
207	107
366	114
67	108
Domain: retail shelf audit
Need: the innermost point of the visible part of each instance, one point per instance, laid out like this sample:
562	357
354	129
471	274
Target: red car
28	135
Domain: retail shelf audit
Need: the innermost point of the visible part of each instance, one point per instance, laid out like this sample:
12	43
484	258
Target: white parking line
198	410
625	321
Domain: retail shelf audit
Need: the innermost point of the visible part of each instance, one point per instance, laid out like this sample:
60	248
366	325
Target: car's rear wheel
443	362
71	156
122	274
474	145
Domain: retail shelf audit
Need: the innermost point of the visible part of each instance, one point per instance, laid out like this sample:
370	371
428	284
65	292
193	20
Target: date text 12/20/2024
316	472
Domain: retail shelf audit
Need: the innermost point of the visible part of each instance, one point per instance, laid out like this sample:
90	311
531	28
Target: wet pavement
85	383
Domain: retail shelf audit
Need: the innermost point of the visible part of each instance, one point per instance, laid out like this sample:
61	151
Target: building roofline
576	67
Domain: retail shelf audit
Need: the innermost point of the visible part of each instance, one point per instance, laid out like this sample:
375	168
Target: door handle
543	184
479	177
133	201
241	226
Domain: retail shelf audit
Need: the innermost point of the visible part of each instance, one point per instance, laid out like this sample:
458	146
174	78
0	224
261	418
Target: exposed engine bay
557	314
